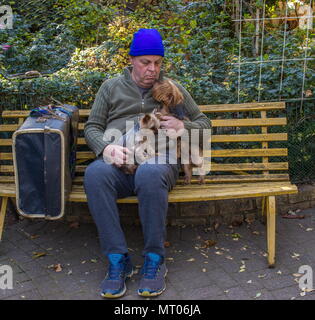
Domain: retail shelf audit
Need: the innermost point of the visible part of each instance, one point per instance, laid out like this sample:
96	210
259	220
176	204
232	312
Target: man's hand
116	154
170	122
172	126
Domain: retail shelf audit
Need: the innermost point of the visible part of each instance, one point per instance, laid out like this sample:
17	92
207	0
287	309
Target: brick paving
232	268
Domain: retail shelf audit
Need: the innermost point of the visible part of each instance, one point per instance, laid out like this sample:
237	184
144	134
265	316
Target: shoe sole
153	294
117	295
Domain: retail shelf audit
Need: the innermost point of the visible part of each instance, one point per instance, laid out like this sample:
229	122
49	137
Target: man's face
146	70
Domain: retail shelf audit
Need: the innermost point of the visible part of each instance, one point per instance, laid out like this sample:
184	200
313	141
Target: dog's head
167	93
150	121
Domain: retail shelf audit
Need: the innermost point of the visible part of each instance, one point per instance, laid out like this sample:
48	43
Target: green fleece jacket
119	100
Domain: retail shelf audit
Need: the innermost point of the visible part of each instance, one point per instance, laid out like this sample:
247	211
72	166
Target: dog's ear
146	118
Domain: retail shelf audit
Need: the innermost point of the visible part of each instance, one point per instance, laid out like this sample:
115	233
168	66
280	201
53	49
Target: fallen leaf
256	232
236	235
295	256
34	236
261	275
309	229
58	267
291	216
258	294
74	225
242	267
216	226
229	257
219	253
93	260
169	259
297	275
279	272
167	244
191	260
69	272
302	294
83	262
39	254
249	281
208	243
204	270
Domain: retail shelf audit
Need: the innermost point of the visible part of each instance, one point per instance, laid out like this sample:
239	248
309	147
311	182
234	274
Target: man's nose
152	67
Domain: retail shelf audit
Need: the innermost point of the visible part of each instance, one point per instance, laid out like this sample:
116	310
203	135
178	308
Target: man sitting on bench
118	100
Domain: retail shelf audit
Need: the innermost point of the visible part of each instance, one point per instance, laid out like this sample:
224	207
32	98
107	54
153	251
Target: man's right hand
116	154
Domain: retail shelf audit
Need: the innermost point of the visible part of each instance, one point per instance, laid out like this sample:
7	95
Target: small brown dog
168	94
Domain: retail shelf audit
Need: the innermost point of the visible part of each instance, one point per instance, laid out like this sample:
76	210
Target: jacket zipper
141	108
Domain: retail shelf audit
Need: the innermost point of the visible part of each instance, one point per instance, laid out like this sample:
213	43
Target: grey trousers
104	184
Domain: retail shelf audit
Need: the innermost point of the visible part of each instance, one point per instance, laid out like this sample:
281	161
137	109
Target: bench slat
208	179
6	156
242	107
271	152
252	122
227	178
193	193
259	137
249	166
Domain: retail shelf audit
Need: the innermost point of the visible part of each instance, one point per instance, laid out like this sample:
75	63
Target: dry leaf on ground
208	243
39	254
58	267
170	259
167	244
74	225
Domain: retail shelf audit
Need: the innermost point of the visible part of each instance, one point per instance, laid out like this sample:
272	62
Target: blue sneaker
119	269
153	272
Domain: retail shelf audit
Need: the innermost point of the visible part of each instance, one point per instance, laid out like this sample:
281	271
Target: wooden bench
248	160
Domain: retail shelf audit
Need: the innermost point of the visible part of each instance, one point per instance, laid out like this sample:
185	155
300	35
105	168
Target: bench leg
2	213
271	229
263	210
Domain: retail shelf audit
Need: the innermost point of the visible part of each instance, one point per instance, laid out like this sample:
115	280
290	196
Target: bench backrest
248	143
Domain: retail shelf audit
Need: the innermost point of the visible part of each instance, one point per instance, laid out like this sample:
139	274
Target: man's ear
131	60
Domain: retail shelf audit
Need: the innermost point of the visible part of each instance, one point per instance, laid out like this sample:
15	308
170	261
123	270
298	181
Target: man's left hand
170	122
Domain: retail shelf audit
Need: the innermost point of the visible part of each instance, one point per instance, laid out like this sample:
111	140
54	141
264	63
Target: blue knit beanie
147	42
